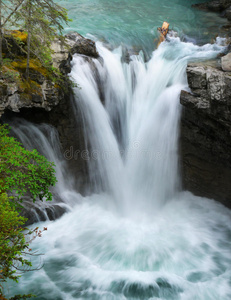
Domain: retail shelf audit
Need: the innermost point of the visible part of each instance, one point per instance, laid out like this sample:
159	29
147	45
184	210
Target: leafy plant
24	172
21	172
14	247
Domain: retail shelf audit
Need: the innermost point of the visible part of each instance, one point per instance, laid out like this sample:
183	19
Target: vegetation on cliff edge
41	22
22	172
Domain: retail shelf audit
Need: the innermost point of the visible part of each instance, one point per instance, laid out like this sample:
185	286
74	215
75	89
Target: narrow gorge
141	144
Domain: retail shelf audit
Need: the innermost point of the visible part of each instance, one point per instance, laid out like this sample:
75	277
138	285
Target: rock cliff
43	101
205	142
40	92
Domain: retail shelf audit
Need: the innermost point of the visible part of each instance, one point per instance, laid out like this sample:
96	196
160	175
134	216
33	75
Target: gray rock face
48	95
228	13
12	98
226	62
205	143
215	5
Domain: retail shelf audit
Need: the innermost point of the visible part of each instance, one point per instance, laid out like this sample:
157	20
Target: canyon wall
205	143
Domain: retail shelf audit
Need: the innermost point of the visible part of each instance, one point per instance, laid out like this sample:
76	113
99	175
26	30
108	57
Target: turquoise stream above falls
134	22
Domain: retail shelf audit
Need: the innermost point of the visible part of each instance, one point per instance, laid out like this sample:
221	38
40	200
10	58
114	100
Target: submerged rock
44	212
205	142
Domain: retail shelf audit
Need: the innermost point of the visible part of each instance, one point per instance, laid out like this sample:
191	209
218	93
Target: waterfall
131	114
138	236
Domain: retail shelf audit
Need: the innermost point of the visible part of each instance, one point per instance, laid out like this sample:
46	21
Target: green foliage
24	172
43	21
13	245
10	76
12	239
21	172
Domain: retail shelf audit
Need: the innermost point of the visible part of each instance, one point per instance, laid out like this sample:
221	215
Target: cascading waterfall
133	135
138	236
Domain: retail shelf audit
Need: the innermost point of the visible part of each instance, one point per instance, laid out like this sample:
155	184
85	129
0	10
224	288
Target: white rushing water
138	236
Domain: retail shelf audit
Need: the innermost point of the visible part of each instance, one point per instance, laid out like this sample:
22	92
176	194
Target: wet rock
205	142
74	43
226	62
39	212
228	13
81	45
215	5
220	6
65	65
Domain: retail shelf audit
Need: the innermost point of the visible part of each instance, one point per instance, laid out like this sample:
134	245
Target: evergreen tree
7	12
43	21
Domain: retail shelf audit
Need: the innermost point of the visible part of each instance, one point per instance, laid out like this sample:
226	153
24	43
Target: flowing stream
138	236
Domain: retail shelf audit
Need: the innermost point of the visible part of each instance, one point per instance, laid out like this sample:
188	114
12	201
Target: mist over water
138	236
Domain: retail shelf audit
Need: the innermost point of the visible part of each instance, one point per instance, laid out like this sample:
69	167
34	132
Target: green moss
30	87
12	73
9	74
18	34
15	66
21	63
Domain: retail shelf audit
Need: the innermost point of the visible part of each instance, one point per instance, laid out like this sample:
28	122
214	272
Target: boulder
226	62
81	45
42	211
74	43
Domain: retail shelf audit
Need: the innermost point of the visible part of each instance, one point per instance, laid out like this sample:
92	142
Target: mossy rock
14	42
9	74
20	35
37	72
